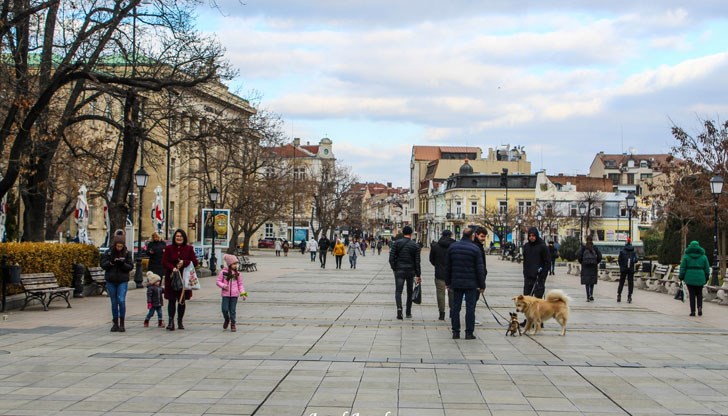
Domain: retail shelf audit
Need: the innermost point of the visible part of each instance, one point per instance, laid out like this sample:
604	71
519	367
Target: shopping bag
189	276
680	295
417	294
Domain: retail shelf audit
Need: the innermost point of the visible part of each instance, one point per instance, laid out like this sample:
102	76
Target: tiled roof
435	152
288	151
584	183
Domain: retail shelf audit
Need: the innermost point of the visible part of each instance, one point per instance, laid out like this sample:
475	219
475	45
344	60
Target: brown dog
555	305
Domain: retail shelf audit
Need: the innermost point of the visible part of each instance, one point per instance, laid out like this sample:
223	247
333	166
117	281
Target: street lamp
214	195
519	220
631	200
716	187
141	177
539	218
582	211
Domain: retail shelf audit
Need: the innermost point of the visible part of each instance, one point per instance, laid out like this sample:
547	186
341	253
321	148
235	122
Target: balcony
455	217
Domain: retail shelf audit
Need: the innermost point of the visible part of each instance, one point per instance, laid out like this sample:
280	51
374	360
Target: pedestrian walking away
404	259
155	299
695	272
554	253
465	276
278	246
379	247
177	256
230	282
155	251
626	260
480	234
353	251
589	256
536	264
312	247
363	247
323	246
339	251
117	264
438	252
286	246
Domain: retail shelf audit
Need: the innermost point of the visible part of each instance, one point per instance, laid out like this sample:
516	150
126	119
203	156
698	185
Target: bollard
79	272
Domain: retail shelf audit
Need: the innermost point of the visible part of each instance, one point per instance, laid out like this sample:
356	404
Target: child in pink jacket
230	280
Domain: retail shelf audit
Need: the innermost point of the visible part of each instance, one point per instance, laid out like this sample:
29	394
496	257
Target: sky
564	79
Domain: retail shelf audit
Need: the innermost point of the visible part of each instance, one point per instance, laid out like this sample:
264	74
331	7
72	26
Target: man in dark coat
465	276
404	259
155	250
536	265
627	260
554	252
323	246
438	251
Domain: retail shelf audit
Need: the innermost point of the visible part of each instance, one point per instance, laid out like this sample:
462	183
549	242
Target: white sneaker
477	323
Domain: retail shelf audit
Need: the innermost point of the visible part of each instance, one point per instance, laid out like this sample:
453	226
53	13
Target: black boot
121	325
619	297
399	313
179	324
442	316
170	325
629	298
115	326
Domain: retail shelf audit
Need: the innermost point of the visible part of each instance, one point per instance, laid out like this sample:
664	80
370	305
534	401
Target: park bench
660	276
717	293
98	278
642	274
610	273
43	287
246	265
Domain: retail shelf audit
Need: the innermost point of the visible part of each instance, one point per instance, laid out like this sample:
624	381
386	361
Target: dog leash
490	309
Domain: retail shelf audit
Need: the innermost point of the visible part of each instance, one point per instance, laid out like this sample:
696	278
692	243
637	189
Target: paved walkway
325	342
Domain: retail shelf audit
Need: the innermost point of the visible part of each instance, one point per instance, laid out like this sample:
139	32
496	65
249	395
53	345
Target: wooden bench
98	278
660	276
43	287
610	273
246	265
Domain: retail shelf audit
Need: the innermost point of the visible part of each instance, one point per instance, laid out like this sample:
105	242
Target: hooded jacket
464	267
694	267
627	259
405	256
536	257
438	251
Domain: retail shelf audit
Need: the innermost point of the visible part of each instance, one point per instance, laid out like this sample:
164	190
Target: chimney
389	184
296	141
308	143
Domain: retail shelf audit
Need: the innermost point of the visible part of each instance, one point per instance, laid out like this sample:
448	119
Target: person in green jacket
695	271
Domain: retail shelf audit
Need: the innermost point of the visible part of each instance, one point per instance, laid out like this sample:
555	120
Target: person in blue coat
465	276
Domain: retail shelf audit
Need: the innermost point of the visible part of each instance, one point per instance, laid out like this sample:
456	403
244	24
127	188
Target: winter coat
553	252
234	285
339	249
277	245
172	254
117	265
353	249
481	247
464	267
589	272
154	295
627	259
438	251
155	250
405	256
694	267
324	244
312	246
536	257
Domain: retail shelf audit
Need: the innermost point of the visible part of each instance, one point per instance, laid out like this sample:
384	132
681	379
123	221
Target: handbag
176	282
680	295
189	277
417	294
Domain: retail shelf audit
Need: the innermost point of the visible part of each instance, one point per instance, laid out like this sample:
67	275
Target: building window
268	230
458	207
597	211
549	210
473	208
614	177
630	179
643	164
91	214
503	207
172	170
644	176
170	217
299	173
524	207
573	210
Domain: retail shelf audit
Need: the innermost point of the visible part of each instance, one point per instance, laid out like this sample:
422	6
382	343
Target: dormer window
644	164
630	163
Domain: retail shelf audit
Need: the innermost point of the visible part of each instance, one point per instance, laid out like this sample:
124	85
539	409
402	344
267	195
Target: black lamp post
582	211
519	221
141	177
539	218
214	195
716	187
631	200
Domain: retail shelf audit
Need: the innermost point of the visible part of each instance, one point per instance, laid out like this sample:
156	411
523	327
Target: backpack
588	257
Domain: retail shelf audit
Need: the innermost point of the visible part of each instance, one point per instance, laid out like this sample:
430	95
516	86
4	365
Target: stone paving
325	342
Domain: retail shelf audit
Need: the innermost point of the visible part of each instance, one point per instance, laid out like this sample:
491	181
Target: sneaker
455	335
225	324
629	299
591	298
470	336
692	313
399	314
477	323
408	316
700	312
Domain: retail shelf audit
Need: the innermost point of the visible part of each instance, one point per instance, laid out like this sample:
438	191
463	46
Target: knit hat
152	278
229	259
119	237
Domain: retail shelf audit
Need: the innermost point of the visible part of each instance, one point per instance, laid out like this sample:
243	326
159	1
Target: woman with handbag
695	272
176	257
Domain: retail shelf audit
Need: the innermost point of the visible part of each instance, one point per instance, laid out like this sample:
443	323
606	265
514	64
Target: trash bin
79	271
603	265
13	274
647	266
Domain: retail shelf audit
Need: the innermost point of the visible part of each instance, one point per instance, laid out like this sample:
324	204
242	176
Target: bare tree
333	199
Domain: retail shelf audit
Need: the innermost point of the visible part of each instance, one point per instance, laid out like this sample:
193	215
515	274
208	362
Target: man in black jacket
323	246
465	276
437	259
404	259
536	264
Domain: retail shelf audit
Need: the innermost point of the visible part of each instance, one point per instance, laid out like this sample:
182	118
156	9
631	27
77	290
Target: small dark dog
514	326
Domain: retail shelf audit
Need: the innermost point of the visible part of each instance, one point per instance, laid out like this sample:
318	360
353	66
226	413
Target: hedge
51	258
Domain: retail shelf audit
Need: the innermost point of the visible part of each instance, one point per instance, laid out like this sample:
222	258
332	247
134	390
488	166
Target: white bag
189	277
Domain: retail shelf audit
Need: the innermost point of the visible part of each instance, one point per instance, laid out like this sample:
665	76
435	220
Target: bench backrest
38	281
662	271
97	273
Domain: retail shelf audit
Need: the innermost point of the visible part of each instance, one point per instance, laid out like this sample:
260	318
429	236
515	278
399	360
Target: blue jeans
352	261
229	306
158	310
117	295
471	299
313	256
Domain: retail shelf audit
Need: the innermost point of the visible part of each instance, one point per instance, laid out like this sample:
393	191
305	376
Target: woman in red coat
176	257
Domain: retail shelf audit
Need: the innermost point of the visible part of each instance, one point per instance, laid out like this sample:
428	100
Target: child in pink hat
230	280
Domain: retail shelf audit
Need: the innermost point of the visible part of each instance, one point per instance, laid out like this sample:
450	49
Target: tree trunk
233	242
118	205
34	190
246	241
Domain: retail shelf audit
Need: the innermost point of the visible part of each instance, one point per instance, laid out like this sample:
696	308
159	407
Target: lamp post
141	177
582	211
539	218
716	187
214	195
631	200
519	221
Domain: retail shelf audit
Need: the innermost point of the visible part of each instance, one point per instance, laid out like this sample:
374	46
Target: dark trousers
175	305
322	258
696	294
553	266
338	261
471	299
400	277
589	290
229	308
534	286
630	282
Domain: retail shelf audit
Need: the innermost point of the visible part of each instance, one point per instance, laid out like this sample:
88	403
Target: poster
301	234
216	223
